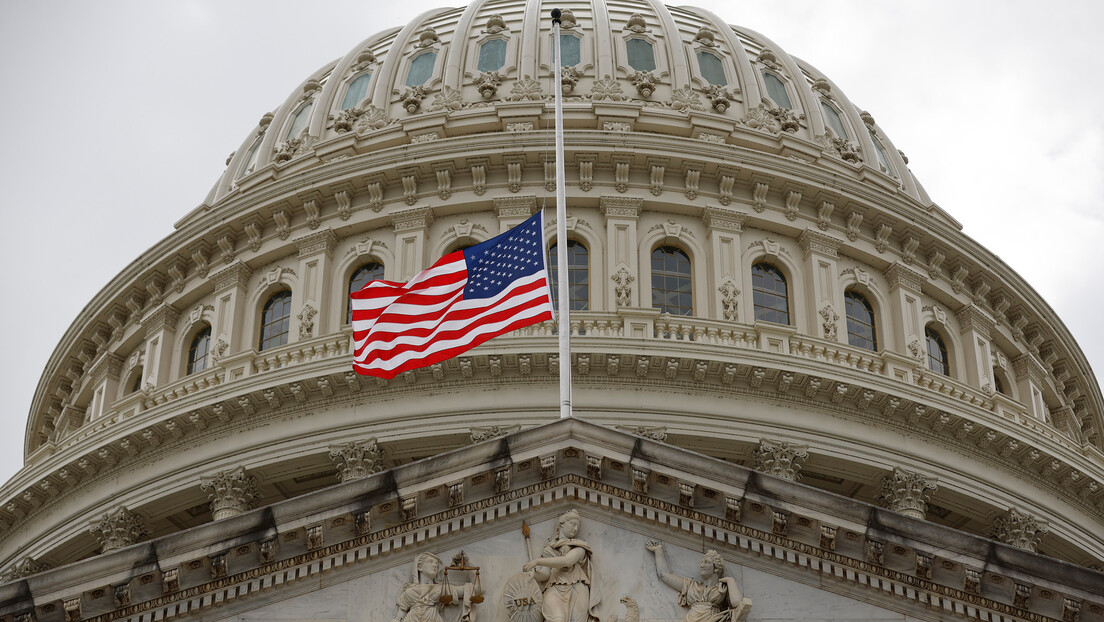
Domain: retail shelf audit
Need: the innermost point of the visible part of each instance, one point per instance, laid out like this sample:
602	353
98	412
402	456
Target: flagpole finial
556	16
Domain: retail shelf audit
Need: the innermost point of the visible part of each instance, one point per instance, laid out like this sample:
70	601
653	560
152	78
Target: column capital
1020	529
813	241
780	458
231	491
118	528
357	459
620	207
721	219
900	275
906	492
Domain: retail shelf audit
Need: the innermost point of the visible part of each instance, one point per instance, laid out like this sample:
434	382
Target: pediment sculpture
711	598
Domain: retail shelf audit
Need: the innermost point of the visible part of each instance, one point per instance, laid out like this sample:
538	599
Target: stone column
315	270
621	253
976	326
232	492
724	227
906	333
906	492
410	240
357	460
231	284
118	528
826	312
160	328
1020	530
780	458
512	211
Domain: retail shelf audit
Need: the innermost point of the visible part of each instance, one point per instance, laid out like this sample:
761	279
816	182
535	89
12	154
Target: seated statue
714	598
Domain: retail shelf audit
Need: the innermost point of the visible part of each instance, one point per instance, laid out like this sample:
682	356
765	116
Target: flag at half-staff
466	298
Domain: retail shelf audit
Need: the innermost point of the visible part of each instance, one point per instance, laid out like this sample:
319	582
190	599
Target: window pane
569	50
197	352
671	285
769	294
492	55
421	69
860	322
937	353
363	275
881	155
357	90
578	270
275	320
641	55
711	68
251	161
776	90
300	121
834	121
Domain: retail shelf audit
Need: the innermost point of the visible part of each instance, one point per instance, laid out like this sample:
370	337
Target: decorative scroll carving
713	597
772	119
232	491
306	321
357	460
487	84
730	301
907	492
605	89
685	100
118	528
645	82
526	89
831	318
1020	530
780	459
412	98
623	286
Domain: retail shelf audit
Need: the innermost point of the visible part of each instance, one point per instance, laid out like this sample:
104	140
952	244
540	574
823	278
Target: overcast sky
120	116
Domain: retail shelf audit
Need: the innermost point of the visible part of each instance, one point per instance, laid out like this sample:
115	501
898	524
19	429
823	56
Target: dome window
861	332
578	275
299	123
711	68
770	294
833	119
251	160
421	69
362	276
570	51
776	90
199	350
357	90
883	162
641	54
492	55
275	321
672	290
938	361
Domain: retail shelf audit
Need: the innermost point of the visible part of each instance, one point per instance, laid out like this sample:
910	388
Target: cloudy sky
120	116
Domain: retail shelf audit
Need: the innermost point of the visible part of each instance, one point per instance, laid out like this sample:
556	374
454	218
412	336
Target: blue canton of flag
495	264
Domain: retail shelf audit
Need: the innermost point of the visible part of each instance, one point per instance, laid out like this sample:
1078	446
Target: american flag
466	298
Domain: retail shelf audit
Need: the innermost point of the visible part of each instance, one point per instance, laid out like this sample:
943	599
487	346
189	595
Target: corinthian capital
232	492
780	459
118	528
1020	530
357	460
906	492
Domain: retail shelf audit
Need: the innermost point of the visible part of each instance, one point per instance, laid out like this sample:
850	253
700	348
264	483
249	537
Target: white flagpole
561	230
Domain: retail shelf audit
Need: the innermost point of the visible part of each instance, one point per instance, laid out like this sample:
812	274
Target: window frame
263	342
755	306
308	108
689	277
931	335
785	88
349	86
866	343
349	284
190	359
572	269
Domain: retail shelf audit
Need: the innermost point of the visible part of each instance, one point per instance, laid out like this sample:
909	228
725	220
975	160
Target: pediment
346	552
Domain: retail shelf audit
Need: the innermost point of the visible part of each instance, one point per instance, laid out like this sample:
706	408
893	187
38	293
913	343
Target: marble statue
566	571
713	598
423	598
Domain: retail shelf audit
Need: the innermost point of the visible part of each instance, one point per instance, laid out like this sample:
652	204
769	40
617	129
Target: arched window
251	159
569	51
938	361
861	332
363	275
492	55
672	291
641	54
998	384
770	294
275	320
356	91
299	123
711	68
833	119
135	381
578	276
199	350
776	90
421	69
883	162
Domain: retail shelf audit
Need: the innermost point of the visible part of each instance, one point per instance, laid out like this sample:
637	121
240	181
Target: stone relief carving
293	147
720	98
526	89
645	82
487	84
713	598
426	594
569	77
623	286
906	492
412	98
232	492
448	98
1020	530
566	571
685	100
607	89
480	434
357	460
830	317
780	459
306	321
654	432
841	148
730	301
772	119
23	568
632	610
118	528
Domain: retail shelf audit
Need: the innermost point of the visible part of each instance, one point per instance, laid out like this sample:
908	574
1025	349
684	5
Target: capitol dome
755	275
